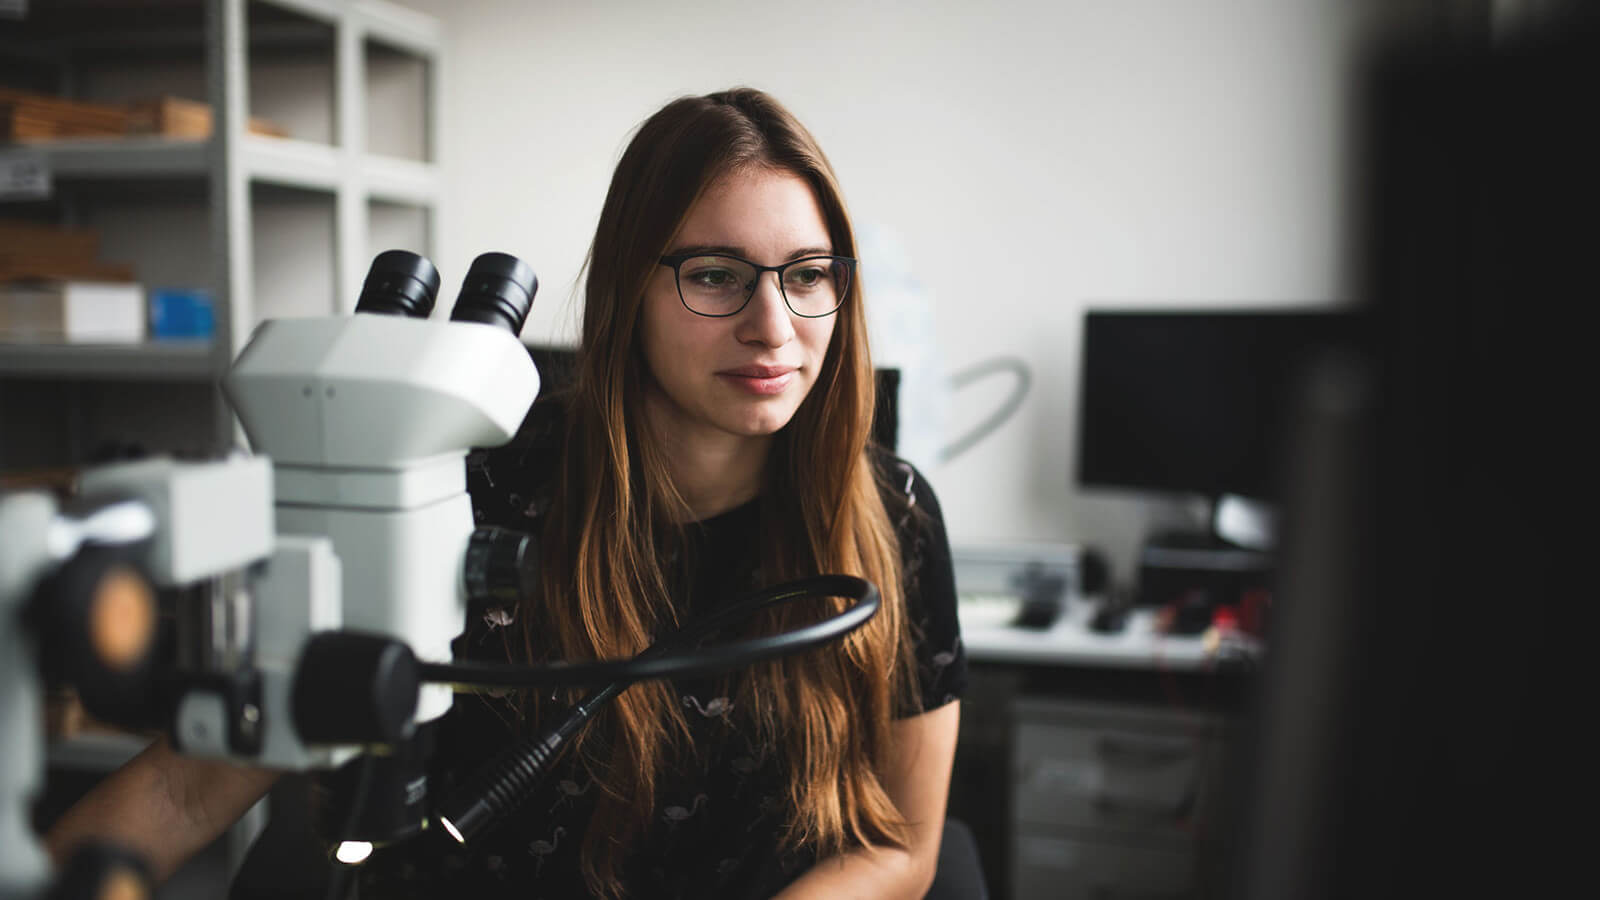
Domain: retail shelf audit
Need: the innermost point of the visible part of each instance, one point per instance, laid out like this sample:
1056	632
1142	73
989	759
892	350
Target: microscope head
379	392
389	386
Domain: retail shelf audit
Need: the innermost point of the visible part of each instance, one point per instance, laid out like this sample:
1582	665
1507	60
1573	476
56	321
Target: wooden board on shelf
26	116
30	117
177	117
24	267
30	251
29	238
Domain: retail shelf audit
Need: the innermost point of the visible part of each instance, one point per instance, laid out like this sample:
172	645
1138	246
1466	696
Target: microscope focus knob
97	616
100	870
355	688
501	565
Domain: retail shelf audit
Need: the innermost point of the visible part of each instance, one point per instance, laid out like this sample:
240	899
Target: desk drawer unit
1065	867
1107	795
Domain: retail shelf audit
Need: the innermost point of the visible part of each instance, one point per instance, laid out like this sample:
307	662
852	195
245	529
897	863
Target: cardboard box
92	312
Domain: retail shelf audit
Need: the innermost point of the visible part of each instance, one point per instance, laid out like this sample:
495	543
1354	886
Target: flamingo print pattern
540	849
567	790
719	707
676	815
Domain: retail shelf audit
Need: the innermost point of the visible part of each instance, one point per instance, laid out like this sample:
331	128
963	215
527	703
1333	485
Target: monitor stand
1233	523
1243	522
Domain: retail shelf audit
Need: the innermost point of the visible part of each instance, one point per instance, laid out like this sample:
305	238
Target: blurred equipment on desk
1195	577
1027	585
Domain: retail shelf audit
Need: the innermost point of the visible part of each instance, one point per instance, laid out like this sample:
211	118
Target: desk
1090	764
1070	642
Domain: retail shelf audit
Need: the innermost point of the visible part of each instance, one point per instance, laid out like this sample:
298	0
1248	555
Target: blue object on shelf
181	313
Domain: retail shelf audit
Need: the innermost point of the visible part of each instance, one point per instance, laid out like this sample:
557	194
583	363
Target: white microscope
307	587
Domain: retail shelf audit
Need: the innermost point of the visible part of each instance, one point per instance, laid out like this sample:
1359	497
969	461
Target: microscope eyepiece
399	283
498	290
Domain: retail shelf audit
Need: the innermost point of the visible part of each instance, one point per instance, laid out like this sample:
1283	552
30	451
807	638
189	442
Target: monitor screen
1194	401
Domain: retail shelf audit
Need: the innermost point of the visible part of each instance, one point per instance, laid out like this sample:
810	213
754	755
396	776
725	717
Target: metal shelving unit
233	170
153	361
222	212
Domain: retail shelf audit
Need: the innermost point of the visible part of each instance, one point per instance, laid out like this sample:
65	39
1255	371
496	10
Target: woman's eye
712	278
807	276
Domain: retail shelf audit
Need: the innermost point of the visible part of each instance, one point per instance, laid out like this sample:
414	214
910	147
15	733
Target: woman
715	438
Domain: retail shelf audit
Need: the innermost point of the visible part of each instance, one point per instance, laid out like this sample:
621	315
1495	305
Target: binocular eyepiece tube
399	283
498	289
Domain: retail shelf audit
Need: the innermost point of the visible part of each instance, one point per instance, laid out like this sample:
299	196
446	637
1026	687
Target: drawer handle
1146	756
1113	892
1150	811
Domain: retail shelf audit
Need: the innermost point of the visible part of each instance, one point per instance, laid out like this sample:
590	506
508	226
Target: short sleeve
929	584
510	485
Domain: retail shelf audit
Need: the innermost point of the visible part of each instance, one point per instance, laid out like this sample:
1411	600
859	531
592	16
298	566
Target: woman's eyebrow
710	250
811	251
742	253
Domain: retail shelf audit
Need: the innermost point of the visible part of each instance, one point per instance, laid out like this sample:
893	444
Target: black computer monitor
1195	401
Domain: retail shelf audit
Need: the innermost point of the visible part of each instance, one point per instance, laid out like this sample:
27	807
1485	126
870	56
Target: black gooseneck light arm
502	784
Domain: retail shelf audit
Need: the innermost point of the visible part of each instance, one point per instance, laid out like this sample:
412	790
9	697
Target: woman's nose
765	319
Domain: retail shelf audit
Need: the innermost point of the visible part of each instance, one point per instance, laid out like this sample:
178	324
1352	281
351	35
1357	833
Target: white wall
1030	158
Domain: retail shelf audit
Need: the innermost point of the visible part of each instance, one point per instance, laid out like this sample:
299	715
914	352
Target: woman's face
745	374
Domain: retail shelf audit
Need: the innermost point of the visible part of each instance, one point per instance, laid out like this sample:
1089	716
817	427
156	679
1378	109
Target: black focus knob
399	283
98	869
354	688
98	620
501	565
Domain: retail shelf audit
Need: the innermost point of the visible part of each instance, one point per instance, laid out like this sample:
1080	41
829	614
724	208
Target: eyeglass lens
720	285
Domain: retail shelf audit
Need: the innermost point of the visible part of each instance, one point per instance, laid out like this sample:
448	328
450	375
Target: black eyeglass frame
675	261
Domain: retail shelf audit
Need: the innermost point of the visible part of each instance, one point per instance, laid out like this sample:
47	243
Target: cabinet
270	226
1113	800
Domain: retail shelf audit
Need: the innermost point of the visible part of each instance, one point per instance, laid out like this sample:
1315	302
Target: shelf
153	361
282	161
400	180
95	752
291	163
117	157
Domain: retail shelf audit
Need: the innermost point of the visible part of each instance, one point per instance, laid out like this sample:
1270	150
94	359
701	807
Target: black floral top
719	814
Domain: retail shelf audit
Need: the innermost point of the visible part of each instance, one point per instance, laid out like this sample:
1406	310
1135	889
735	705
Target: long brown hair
615	513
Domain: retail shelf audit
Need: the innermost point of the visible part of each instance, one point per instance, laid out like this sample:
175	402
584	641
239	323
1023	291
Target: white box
83	312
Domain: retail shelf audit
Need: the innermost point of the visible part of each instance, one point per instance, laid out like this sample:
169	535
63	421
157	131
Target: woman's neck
714	471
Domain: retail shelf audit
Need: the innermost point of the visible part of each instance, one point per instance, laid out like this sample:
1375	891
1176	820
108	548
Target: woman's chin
760	423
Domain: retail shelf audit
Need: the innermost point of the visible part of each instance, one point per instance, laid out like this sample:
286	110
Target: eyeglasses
718	285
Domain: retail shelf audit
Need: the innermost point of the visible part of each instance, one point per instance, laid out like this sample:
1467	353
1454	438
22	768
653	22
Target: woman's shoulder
903	486
511	484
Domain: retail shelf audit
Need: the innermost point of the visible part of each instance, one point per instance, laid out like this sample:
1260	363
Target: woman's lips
761	380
